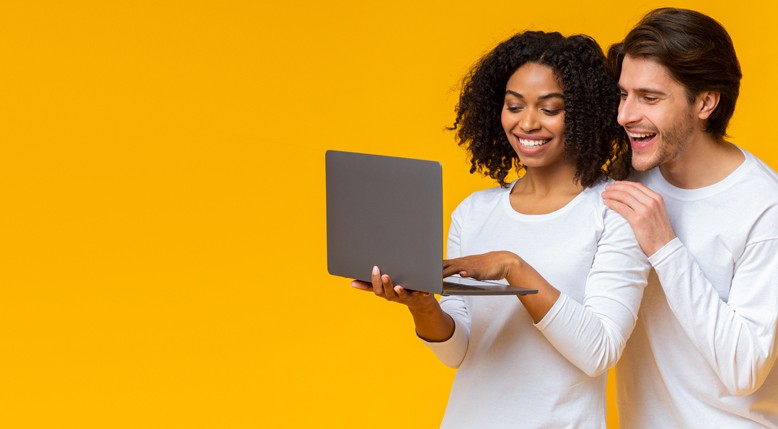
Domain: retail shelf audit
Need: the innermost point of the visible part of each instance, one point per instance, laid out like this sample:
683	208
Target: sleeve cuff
458	339
552	312
664	253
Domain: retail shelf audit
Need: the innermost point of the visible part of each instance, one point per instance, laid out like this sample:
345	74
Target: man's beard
674	142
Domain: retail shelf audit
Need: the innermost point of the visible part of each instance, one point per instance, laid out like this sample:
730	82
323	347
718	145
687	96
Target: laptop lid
388	211
385	211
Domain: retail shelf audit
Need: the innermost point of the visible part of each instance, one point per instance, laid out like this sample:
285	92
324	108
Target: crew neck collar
660	184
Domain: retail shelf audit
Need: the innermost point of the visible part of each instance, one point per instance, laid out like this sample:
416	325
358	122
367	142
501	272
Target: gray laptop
388	211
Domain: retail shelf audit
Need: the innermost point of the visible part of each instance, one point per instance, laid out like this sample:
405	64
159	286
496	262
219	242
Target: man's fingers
632	198
621	208
637	186
639	191
640	199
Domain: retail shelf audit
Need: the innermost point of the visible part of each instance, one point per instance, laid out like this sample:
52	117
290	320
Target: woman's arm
432	323
592	334
509	266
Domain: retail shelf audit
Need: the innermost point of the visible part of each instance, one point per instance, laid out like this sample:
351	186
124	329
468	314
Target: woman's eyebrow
552	95
542	97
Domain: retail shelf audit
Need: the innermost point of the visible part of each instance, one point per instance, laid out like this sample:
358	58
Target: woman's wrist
514	268
429	308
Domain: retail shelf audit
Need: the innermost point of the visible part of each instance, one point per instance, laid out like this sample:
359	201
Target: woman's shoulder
593	194
489	196
485	198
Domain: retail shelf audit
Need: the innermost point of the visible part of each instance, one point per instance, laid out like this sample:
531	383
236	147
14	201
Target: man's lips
640	139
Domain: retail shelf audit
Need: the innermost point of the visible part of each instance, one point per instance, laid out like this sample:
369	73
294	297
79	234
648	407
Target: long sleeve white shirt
703	351
513	373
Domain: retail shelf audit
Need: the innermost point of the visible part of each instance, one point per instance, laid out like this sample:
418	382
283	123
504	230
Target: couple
682	262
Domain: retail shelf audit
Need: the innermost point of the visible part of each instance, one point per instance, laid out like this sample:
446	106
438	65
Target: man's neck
706	161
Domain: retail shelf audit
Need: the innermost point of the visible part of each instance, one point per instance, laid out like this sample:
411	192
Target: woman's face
533	116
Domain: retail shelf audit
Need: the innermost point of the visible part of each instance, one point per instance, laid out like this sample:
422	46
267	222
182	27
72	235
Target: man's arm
737	338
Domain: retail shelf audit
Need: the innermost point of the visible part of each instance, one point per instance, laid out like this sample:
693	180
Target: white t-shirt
513	373
702	353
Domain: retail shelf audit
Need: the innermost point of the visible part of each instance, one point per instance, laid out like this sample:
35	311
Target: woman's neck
544	190
548	181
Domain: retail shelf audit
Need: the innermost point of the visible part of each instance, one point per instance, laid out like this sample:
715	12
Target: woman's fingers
406	295
465	267
358	284
389	292
378	286
452	266
382	286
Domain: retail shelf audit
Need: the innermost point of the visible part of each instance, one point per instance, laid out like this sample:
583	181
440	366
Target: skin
688	157
533	110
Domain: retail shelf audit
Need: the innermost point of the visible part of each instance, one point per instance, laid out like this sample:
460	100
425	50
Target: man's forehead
644	72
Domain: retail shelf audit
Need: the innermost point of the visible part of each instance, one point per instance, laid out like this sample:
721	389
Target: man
706	214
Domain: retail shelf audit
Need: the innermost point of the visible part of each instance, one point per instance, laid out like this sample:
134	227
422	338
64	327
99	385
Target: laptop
388	212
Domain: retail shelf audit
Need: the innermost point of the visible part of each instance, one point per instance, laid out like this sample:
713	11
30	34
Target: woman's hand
382	286
488	266
432	323
509	266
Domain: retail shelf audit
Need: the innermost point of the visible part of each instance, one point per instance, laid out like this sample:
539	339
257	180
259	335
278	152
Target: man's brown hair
697	52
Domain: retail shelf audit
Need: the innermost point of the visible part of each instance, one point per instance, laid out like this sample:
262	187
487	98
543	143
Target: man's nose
628	112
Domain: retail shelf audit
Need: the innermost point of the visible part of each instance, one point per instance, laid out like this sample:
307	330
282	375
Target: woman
547	105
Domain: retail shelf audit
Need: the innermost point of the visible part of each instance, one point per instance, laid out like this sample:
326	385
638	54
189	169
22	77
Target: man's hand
645	211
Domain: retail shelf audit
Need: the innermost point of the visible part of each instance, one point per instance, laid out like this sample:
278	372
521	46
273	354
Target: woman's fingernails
463	273
375	270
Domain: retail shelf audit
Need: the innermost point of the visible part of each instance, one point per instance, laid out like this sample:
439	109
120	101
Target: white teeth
640	136
533	143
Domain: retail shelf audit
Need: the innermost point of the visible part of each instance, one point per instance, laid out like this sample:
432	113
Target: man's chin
643	163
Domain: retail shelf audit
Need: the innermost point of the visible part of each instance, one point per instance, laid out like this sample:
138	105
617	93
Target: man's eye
650	99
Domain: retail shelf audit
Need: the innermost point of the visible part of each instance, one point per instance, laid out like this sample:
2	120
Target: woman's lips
532	142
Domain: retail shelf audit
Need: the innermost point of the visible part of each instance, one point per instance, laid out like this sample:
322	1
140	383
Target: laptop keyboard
450	286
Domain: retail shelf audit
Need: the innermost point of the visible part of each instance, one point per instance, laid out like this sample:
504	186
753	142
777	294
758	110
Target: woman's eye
552	112
513	109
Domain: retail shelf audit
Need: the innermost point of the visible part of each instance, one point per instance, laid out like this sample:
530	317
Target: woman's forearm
432	323
537	305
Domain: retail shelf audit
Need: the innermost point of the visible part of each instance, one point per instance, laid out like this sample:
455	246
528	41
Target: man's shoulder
761	175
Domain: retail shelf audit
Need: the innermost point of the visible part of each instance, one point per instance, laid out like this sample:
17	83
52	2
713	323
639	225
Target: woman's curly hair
594	141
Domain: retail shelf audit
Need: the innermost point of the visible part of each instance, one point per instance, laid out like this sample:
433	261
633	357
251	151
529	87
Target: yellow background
162	257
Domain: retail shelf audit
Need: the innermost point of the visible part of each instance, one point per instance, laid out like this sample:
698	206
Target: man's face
655	112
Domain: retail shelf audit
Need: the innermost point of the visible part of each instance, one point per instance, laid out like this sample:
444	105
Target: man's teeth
640	135
533	143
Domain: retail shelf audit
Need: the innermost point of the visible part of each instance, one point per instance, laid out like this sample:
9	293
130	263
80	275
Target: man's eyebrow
542	97
645	90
